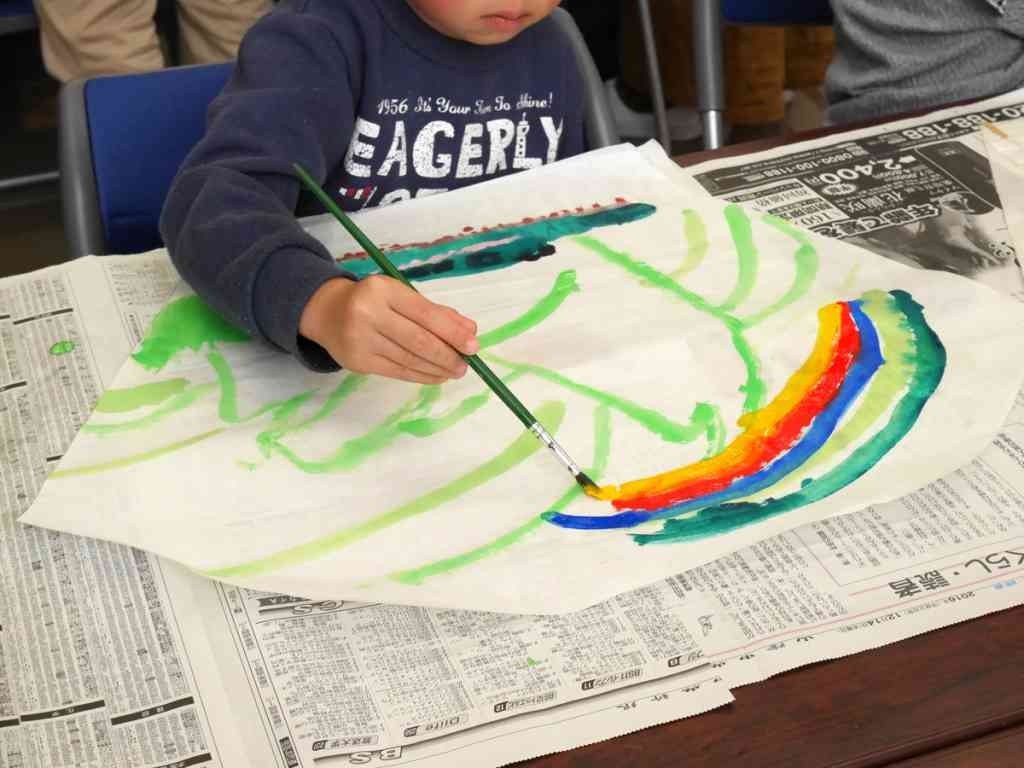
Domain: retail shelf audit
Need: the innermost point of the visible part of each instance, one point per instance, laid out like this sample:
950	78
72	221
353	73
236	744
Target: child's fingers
381	366
389	350
443	322
420	342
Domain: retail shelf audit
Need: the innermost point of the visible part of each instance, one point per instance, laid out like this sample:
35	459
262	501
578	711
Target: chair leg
707	59
654	71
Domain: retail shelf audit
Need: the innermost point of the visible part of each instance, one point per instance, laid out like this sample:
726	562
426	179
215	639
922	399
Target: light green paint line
63	347
746	257
177	403
142	396
228	408
753	387
602	447
523	447
425	427
886	385
716	432
565	285
138	458
352	453
696	243
805	265
798	234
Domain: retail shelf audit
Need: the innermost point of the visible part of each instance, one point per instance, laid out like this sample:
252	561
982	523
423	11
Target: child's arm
229	219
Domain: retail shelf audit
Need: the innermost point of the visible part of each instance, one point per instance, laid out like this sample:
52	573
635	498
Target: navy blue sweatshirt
380	107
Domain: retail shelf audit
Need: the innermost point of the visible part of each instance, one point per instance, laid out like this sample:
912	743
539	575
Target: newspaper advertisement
110	656
92	663
918	191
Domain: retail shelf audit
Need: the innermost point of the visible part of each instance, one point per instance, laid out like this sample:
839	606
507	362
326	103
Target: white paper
428	519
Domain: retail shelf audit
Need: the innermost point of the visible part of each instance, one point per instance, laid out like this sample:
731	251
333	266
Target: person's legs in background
81	38
211	30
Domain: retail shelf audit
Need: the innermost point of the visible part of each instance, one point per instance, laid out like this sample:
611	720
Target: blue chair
708	19
123	138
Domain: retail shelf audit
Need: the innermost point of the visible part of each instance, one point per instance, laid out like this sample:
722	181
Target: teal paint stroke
497	247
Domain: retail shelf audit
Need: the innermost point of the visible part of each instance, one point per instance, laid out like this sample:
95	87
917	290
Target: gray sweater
910	54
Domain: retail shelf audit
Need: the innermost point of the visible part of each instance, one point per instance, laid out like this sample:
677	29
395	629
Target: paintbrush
482	370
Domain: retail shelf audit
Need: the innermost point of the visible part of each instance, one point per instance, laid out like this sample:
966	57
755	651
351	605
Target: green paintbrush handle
482	370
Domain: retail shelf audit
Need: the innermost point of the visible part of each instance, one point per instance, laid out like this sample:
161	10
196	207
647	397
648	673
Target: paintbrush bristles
589	486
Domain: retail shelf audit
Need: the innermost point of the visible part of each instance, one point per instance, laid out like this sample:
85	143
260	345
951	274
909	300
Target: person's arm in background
899	57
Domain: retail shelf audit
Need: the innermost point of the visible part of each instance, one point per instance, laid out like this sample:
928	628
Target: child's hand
378	325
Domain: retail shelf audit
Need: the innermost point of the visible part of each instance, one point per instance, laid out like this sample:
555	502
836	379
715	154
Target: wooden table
953	698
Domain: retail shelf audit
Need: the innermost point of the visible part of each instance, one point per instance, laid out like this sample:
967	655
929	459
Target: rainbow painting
781	439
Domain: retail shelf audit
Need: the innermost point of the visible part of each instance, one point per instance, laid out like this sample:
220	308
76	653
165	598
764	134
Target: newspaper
112	657
918	191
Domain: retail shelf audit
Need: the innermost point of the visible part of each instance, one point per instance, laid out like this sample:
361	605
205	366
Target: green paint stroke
354	452
426	426
175	404
62	348
754	387
805	271
929	363
185	323
550	414
696	243
228	408
602	447
746	257
668	430
142	396
565	284
138	458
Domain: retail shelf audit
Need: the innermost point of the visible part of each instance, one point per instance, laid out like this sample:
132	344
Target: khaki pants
81	38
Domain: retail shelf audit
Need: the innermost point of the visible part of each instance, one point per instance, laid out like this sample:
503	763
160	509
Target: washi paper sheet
720	373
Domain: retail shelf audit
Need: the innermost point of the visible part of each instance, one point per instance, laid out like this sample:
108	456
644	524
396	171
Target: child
384	100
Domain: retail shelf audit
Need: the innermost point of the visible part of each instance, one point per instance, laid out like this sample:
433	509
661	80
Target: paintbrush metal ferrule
545	437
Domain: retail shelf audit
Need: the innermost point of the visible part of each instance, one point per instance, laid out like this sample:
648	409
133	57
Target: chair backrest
122	140
600	126
777	12
16	16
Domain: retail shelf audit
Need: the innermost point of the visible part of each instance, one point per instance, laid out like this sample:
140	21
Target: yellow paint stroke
758	424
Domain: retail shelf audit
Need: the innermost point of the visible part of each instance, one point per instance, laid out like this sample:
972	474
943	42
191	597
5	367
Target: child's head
483	22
